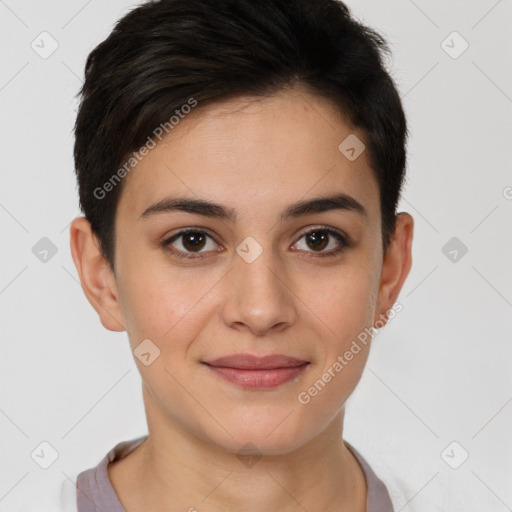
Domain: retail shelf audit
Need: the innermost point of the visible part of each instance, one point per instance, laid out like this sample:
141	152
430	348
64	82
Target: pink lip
254	372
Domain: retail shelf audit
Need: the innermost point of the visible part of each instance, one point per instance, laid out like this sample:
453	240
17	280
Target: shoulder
385	489
66	495
400	491
48	494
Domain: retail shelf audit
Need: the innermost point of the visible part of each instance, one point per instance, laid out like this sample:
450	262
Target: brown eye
318	239
190	243
193	241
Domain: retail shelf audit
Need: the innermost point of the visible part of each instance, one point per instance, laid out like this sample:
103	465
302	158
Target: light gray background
438	373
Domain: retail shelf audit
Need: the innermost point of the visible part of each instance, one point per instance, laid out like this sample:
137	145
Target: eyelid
344	240
330	229
167	243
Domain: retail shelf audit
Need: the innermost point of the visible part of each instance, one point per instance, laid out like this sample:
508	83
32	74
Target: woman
239	166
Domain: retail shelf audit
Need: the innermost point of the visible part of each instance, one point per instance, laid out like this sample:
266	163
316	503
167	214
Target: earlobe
396	266
98	282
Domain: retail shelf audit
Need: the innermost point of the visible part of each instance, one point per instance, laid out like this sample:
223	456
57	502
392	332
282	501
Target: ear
98	281
396	266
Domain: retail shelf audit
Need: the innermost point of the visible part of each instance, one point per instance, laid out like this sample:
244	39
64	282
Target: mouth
253	372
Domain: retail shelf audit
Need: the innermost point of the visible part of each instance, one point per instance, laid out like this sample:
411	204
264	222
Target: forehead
254	152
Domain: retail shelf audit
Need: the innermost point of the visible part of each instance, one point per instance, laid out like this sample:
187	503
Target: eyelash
343	240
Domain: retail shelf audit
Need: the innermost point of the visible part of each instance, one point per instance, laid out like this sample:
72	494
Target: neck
175	470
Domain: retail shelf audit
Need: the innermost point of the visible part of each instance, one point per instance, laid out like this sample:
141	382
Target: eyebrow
340	201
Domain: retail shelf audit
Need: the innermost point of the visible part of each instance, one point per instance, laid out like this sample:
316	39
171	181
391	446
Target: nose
257	296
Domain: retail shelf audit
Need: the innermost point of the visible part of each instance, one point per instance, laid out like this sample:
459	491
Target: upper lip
250	362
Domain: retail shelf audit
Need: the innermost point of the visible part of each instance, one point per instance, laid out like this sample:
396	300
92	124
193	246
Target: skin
256	156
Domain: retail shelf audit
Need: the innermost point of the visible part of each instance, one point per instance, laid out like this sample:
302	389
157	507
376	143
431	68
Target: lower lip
258	379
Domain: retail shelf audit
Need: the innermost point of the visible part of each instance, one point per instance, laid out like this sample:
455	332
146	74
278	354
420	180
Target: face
265	272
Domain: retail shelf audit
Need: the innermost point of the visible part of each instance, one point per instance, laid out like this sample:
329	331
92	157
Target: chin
262	439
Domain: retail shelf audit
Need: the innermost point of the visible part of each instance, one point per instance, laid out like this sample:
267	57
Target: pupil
193	241
319	240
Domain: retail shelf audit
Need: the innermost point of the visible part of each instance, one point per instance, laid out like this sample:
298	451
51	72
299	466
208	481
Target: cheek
158	302
342	302
340	311
342	320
